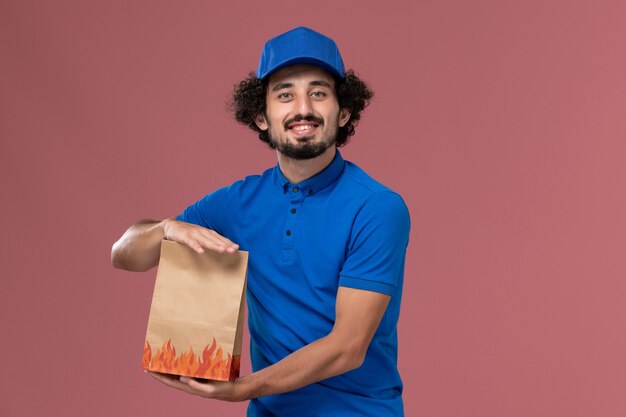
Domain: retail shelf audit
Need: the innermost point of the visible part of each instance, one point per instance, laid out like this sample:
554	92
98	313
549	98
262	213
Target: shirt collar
318	181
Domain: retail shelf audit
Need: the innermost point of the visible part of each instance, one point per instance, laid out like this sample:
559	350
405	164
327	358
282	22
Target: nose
303	104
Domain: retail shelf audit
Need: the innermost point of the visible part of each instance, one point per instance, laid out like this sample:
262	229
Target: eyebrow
319	83
280	86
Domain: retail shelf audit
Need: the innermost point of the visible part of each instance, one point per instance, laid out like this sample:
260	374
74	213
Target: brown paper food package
195	325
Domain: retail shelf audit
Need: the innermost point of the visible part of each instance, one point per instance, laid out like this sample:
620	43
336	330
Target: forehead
300	74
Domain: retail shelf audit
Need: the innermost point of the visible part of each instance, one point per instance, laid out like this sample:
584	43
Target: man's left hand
219	390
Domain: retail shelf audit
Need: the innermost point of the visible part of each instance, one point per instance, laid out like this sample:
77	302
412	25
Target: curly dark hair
248	101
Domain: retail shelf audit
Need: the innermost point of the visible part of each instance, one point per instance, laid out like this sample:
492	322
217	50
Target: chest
302	234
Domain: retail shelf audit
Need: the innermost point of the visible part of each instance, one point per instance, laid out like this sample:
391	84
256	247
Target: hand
196	237
218	390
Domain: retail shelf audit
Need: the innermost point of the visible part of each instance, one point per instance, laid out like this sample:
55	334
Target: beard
300	151
304	148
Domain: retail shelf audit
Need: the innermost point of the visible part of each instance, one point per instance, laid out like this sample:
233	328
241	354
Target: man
326	245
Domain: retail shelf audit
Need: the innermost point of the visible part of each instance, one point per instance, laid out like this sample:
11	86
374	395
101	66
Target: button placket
291	220
296	197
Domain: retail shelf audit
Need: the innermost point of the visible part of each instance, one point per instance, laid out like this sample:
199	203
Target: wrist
245	389
164	227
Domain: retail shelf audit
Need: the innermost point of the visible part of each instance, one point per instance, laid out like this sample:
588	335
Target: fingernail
183	379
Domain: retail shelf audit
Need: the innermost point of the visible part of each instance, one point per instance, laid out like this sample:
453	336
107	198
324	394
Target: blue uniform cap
300	46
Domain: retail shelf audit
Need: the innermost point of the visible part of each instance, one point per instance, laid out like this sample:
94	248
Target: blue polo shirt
337	228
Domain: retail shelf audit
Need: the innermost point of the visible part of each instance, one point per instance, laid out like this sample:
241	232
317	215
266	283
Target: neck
296	170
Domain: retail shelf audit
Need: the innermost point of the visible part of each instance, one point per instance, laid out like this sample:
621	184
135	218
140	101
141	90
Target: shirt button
296	189
288	232
293	211
310	192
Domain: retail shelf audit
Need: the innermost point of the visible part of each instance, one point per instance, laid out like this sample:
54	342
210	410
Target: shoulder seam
384	188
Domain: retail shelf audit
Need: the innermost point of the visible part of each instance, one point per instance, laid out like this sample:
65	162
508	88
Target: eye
284	96
318	94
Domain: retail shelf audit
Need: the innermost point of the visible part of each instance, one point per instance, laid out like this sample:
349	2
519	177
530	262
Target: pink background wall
503	124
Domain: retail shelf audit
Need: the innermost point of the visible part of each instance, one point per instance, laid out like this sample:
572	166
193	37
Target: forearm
139	247
358	314
327	357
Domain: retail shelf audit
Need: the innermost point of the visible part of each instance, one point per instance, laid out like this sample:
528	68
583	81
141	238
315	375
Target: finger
181	232
194	244
166	379
203	387
170	381
221	390
210	243
213	241
201	239
223	240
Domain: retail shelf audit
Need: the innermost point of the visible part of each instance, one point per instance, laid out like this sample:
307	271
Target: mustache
306	118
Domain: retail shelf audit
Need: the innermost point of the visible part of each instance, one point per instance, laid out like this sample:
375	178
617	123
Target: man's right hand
197	237
139	248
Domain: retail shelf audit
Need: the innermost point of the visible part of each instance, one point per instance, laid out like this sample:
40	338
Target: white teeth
303	127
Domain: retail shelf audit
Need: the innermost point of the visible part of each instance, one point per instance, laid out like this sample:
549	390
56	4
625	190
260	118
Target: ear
344	116
260	121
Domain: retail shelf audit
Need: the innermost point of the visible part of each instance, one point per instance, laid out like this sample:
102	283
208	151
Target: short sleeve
377	247
208	211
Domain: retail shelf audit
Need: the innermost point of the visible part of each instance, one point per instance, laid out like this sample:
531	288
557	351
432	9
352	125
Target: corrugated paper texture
196	318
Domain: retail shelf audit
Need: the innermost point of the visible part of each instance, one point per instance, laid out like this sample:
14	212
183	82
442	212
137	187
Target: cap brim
302	60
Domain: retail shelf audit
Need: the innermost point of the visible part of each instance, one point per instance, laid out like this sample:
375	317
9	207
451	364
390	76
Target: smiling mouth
303	129
300	128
